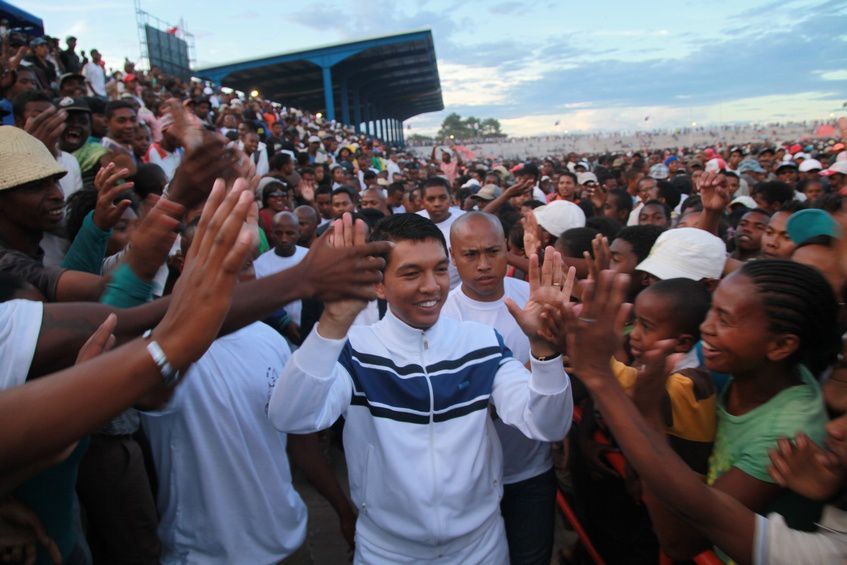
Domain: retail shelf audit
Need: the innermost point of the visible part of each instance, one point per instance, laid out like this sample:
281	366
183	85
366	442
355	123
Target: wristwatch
170	376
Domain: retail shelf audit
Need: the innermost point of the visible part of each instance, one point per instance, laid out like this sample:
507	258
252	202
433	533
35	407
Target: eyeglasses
278	194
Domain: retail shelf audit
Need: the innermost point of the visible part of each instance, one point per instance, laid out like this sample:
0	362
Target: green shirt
744	441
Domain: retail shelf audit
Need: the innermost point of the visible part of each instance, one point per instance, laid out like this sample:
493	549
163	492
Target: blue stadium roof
393	77
21	19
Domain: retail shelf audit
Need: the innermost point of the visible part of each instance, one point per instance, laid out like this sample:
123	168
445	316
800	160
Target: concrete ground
325	542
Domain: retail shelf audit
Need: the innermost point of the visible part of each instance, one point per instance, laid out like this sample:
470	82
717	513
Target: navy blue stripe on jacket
460	386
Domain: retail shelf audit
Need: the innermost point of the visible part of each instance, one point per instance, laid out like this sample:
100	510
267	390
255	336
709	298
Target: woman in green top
768	322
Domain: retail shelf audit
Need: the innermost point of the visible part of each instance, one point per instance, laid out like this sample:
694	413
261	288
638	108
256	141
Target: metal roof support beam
328	100
357	110
345	101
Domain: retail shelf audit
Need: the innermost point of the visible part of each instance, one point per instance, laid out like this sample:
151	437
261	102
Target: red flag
173	30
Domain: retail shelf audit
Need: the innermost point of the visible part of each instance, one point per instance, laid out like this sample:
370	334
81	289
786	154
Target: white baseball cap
839	167
685	253
559	216
582	178
810	165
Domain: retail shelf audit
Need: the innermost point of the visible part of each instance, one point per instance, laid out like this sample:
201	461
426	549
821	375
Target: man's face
286	232
276	128
308	225
787	175
566	187
732	184
71	44
34	207
34	109
243	130
750	230
371	199
40	51
412	201
776	243
251	143
645	185
341	203
766	160
141	141
813	190
436	201
324	204
95	56
25	81
338	175
122	125
99	125
735	159
654	215
77	130
72	86
201	110
416	282
479	252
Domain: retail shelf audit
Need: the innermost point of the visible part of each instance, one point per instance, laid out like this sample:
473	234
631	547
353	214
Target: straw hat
24	159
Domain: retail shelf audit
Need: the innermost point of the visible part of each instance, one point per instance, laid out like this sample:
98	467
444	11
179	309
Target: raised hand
186	127
201	166
332	272
714	192
47	127
602	257
595	334
154	237
651	382
9	63
805	468
548	286
107	213
203	293
346	234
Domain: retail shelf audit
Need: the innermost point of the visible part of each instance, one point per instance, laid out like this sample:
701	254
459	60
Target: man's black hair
575	241
641	238
669	193
609	227
661	204
395	187
345	189
279	160
774	192
437	181
324	189
623	200
687	303
693	203
682	183
369	175
758	211
798	300
149	179
528	169
24	98
114	105
795	205
407	227
306	171
371	216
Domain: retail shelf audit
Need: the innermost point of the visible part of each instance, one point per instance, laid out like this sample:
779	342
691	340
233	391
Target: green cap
813	222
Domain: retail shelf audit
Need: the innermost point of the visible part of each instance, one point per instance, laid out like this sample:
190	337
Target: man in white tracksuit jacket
424	461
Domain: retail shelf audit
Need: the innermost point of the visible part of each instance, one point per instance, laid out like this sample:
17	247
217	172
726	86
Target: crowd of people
196	285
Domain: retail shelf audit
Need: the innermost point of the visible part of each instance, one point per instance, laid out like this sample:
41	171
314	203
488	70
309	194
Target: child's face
654	322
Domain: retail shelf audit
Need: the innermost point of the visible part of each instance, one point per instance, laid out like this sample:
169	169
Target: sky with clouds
590	65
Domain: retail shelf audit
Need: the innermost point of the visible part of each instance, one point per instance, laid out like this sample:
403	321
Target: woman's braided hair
798	300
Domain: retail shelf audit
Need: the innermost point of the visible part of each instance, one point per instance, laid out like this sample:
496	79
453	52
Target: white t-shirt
225	493
523	458
20	325
445	229
168	163
96	77
269	263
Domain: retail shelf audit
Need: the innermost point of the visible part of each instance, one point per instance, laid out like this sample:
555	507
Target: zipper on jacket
424	348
